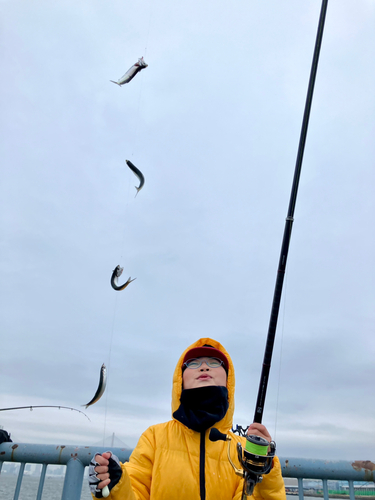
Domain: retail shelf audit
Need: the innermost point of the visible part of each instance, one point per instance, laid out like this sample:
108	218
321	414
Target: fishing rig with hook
256	458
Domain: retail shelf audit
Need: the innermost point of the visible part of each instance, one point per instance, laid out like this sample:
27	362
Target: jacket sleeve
135	482
272	486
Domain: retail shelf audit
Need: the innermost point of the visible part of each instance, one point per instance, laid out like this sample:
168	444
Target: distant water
52	490
53	487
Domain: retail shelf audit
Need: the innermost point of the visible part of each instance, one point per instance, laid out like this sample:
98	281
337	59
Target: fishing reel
255	458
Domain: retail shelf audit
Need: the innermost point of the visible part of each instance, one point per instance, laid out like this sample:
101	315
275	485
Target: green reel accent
257	449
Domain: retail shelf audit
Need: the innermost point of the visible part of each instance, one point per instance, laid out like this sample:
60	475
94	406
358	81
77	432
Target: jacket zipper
202	463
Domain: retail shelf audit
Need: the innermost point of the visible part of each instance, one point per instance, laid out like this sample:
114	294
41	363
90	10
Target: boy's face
204	376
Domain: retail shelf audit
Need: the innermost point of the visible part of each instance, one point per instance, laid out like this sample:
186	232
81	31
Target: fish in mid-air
115	275
101	387
130	74
138	173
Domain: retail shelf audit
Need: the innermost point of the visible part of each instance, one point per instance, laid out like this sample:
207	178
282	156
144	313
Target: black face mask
202	407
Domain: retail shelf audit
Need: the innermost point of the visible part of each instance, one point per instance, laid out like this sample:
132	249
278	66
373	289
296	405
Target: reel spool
255	458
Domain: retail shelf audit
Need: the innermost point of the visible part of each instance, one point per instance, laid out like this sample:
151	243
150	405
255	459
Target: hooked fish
138	173
115	275
101	387
130	74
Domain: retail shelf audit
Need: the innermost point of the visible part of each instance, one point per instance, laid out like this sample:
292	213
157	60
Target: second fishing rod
256	458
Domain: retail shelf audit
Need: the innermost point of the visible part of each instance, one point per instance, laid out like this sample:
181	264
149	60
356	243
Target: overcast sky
213	123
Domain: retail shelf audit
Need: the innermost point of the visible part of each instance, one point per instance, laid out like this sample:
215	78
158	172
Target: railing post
73	480
325	489
351	490
19	481
41	482
300	488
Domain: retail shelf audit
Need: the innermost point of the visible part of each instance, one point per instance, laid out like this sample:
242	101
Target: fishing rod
257	456
43	406
288	226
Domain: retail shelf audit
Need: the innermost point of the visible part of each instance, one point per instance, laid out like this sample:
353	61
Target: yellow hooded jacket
173	462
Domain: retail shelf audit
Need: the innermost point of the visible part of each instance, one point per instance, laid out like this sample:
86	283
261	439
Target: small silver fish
130	74
138	173
115	275
101	387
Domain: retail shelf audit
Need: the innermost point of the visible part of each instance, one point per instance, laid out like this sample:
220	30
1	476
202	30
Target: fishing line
112	329
124	252
149	26
109	367
136	132
136	135
281	350
281	343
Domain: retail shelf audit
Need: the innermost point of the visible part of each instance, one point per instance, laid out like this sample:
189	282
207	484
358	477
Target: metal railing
340	470
76	458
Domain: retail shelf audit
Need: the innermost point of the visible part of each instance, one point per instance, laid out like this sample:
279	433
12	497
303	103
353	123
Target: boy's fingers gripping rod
288	226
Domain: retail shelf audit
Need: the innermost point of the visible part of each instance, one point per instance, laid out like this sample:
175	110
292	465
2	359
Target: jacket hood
226	423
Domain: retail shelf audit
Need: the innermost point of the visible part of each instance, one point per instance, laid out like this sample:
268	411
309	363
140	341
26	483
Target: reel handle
216	435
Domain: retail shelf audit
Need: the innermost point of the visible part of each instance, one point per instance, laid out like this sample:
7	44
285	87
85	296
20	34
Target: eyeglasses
197	362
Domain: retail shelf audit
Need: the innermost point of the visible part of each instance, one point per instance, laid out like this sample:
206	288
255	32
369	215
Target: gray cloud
213	123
